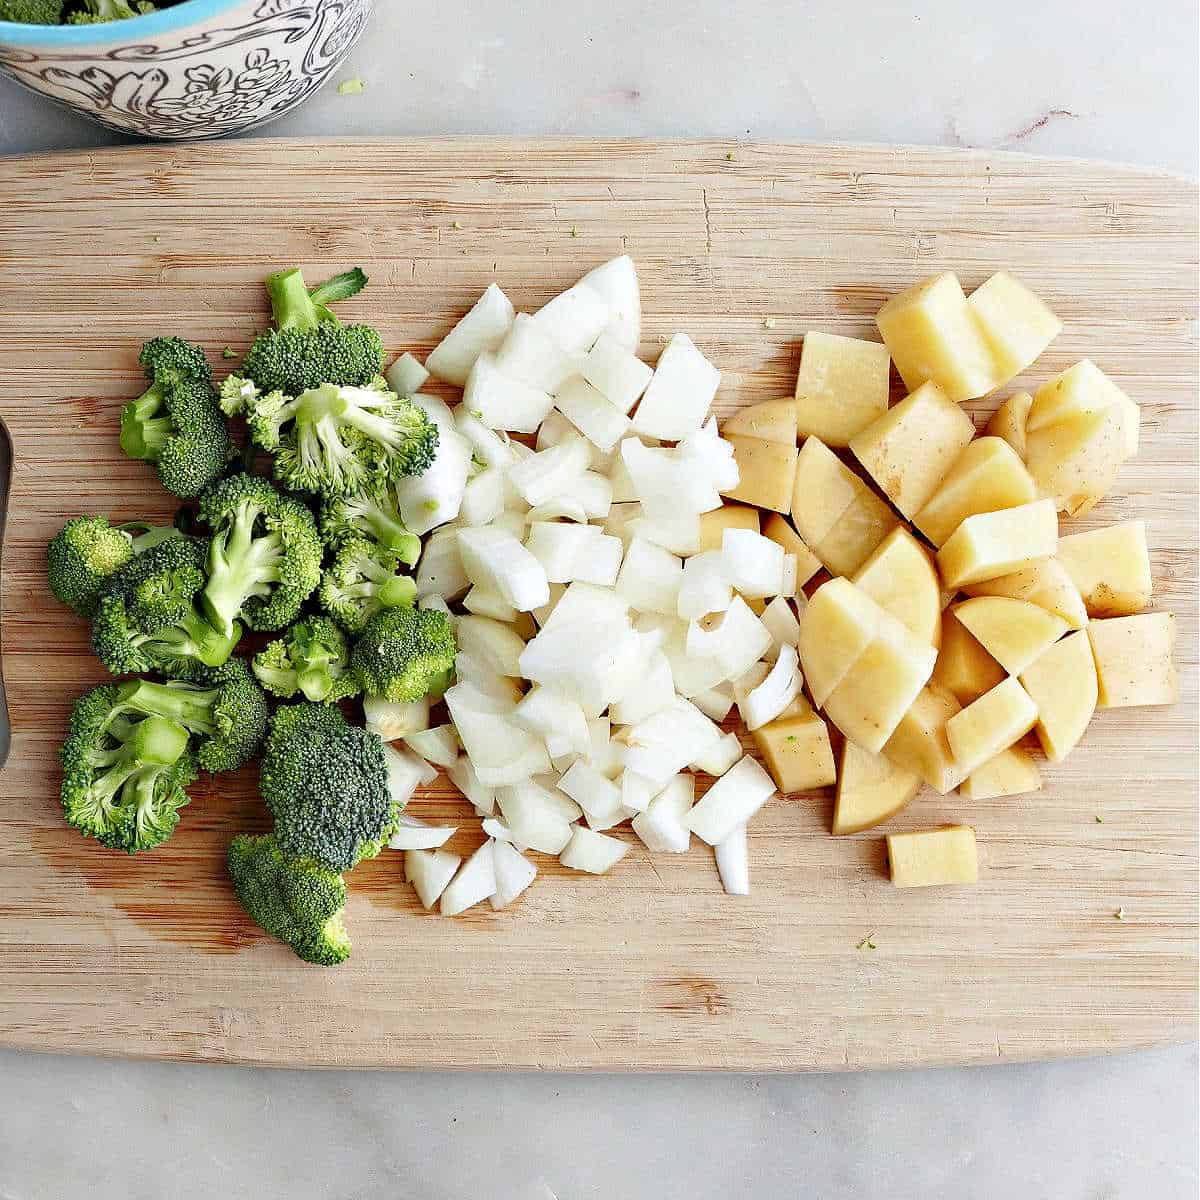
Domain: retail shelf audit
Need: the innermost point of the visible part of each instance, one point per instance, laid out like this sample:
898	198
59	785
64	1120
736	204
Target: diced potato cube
964	668
837	625
770	420
1110	567
933	334
900	578
990	724
1083	388
1010	773
919	743
842	386
870	789
1045	584
1134	660
1008	421
797	753
909	450
989	545
933	856
1063	685
858	531
780	531
768	472
1017	325
728	516
1014	632
986	477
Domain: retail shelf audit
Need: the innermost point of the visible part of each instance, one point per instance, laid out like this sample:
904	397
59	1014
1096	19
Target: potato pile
955	620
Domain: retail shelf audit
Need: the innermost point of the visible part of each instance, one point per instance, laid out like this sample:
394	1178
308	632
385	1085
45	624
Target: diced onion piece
705	586
392	719
500	750
495	560
615	373
437	745
533	822
737	639
542	613
435	496
555	801
483	497
550	472
493	643
791	572
636	792
482	798
753	563
484	602
733	862
492	448
706	454
664	481
716	702
602	423
531	355
514	873
679	395
593	852
405	773
414	834
731	801
616	282
571	552
479	691
652	690
500	402
606	755
781	622
574	318
692	672
620	519
554	430
624	489
665	743
559	721
679	533
440	571
720	757
481	330
406	376
497	830
475	881
776	692
599	797
429	871
661	827
650	578
434	602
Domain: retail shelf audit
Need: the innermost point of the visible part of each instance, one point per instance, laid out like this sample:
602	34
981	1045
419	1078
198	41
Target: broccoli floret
32	12
264	560
227	715
176	423
96	12
124	775
325	782
373	514
147	619
405	653
293	899
362	581
313	657
309	345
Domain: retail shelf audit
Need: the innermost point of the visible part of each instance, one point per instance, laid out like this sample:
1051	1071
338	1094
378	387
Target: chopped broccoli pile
96	12
313	658
76	12
362	580
405	653
32	12
373	514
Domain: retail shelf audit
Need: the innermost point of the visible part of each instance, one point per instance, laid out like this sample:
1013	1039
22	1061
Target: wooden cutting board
745	247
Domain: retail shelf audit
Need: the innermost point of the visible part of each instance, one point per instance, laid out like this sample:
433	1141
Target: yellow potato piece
837	625
728	516
1134	663
989	545
1014	632
986	477
1110	567
797	753
1016	324
770	420
990	724
933	856
964	667
858	531
1082	388
1008	421
841	388
919	743
768	472
870	789
911	447
1046	584
780	531
934	335
900	578
1063	685
1010	773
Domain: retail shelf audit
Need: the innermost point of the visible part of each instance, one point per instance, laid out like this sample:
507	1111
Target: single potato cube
1014	632
933	334
964	668
837	625
870	789
771	421
780	531
990	724
1110	567
858	531
919	743
1016	324
933	856
1008	421
909	450
986	477
1045	584
728	516
842	386
900	577
1063	685
1010	773
797	753
768	472
1133	660
989	545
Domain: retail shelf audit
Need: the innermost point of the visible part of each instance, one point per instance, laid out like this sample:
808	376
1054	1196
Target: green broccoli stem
398	592
150	536
291	304
240	566
143	432
192	638
388	530
316	682
189	707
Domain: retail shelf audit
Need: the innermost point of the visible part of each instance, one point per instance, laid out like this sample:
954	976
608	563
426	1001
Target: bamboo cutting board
744	247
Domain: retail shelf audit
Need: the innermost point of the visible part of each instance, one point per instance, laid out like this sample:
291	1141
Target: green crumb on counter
1099	819
868	943
729	156
229	352
351	87
1120	914
456	225
768	322
574	231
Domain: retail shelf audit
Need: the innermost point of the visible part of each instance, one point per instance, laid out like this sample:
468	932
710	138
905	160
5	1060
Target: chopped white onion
438	745
705	587
616	282
570	552
679	533
733	862
652	690
679	395
498	401
615	373
555	718
495	560
720	756
492	643
531	355
440	571
736	639
533	822
415	834
393	719
462	775
731	801
490	447
483	497
776	692
650	578
661	827
781	622
406	376
550	472
598	796
753	563
600	421
429	871
405	773
636	792
574	318
497	830
514	873
593	852
716	702
475	881
482	329
484	602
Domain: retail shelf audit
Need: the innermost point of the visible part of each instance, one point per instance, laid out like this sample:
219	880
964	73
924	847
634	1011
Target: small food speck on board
1120	914
768	322
456	225
868	943
229	352
1099	819
351	87
729	156
574	231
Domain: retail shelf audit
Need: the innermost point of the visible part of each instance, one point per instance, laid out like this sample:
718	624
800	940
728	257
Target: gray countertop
1102	80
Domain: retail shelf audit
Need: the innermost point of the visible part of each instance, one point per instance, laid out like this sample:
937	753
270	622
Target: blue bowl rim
132	29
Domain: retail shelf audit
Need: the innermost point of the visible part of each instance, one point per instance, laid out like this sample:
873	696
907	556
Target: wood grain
651	967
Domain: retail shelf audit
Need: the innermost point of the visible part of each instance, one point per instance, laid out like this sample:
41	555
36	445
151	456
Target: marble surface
1102	80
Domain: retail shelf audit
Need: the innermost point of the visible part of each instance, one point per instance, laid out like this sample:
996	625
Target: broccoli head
264	560
309	345
325	782
405	653
124	773
227	714
147	619
177	423
373	514
293	899
361	581
313	657
32	12
97	12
